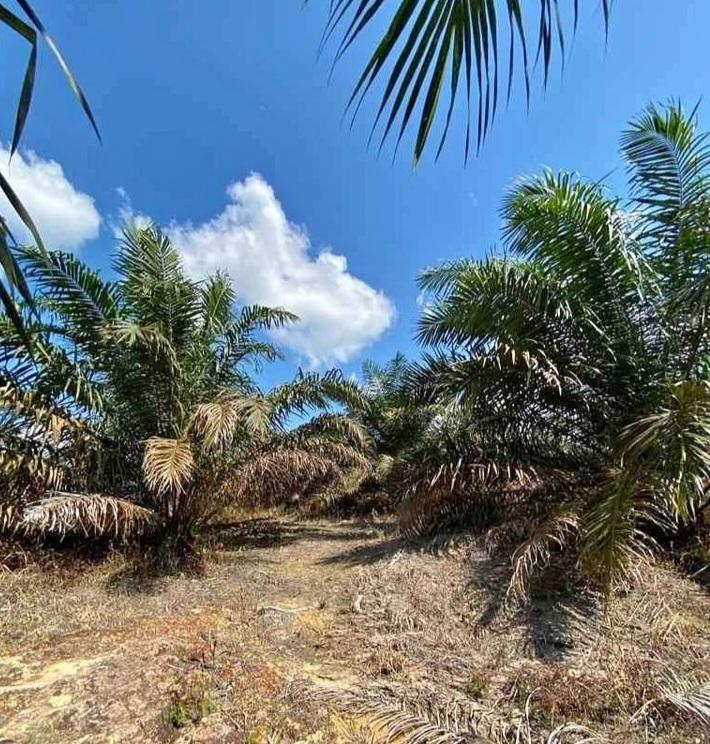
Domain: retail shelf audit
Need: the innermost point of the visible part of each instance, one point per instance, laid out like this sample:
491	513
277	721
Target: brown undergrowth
302	631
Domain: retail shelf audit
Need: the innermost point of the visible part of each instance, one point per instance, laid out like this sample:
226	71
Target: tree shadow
139	577
367	555
556	619
265	533
396	544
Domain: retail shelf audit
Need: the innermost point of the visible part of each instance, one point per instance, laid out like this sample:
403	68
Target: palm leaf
428	42
689	694
168	465
217	420
88	515
535	553
28	32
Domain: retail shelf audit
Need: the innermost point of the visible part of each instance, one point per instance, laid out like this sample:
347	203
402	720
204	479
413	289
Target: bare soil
328	632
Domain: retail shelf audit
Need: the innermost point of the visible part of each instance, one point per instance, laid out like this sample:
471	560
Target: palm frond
388	720
168	465
338	427
535	553
216	421
578	235
688	694
88	515
428	43
673	444
669	163
614	544
72	289
28	30
256	413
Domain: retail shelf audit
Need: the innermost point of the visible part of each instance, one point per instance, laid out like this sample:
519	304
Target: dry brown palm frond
216	421
50	419
426	512
387	720
167	464
94	514
535	553
20	468
270	476
689	694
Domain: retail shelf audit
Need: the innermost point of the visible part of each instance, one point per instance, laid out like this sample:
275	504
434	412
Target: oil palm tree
578	362
155	371
431	45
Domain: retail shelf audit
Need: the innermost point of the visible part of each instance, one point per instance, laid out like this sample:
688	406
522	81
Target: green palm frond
253	317
669	167
673	444
430	45
338	427
153	283
491	299
72	290
615	542
312	390
28	29
578	235
217	299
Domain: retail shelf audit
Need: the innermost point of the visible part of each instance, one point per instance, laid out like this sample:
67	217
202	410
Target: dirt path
291	617
110	655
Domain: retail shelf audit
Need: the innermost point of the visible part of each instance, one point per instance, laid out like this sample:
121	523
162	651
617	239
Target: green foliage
575	367
429	44
141	388
28	27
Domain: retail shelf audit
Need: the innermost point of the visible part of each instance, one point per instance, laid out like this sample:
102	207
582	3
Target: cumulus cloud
66	218
271	262
127	215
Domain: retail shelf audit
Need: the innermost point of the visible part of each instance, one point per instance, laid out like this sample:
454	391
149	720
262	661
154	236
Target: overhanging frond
88	515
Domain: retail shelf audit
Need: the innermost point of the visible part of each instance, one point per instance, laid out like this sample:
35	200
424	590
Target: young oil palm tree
155	371
430	45
581	356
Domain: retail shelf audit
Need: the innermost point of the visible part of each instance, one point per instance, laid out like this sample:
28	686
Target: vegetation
559	416
563	397
28	28
134	403
565	385
429	44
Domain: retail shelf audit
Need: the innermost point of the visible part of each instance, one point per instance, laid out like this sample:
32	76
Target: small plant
191	703
179	716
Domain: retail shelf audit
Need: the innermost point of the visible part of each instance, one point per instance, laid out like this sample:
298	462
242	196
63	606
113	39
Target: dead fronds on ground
345	632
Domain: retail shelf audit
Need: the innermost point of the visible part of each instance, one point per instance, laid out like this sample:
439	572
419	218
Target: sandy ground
341	632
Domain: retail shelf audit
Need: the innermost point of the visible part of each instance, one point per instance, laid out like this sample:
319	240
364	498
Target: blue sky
193	97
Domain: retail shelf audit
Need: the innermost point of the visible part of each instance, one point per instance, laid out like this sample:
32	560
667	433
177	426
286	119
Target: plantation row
561	401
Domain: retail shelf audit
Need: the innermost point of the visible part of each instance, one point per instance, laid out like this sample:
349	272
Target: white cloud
66	218
127	215
271	262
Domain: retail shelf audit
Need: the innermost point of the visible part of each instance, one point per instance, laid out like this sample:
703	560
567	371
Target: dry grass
272	644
